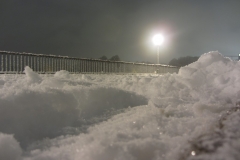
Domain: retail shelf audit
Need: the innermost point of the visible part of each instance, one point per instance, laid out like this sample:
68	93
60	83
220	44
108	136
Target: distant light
158	39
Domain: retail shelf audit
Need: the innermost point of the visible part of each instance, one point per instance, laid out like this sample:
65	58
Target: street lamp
158	40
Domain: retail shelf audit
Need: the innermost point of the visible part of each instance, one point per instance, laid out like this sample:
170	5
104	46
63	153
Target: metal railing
14	62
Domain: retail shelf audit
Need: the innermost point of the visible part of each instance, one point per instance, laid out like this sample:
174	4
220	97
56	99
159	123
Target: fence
14	62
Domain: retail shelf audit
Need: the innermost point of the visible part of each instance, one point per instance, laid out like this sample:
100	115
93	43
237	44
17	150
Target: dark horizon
91	29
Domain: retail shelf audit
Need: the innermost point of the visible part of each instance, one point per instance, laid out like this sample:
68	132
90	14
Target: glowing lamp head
158	39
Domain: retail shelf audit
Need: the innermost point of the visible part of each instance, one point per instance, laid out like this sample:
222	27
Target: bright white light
158	39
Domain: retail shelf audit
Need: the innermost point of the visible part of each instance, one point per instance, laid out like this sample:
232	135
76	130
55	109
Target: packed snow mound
125	116
32	77
62	74
217	73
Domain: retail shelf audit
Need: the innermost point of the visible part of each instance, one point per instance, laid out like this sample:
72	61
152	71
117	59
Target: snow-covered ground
190	115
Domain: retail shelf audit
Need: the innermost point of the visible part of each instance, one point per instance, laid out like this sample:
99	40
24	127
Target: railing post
74	65
57	61
72	70
89	66
55	64
68	67
65	64
6	59
99	66
35	63
71	62
28	61
103	67
78	65
52	64
86	65
71	65
106	66
61	63
41	64
92	66
95	66
21	62
31	62
25	61
10	62
44	65
81	66
2	62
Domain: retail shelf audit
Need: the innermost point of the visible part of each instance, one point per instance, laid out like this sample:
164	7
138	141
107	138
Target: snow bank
172	111
34	107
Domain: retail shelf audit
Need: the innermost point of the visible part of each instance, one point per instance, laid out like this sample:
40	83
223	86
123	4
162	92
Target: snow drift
134	117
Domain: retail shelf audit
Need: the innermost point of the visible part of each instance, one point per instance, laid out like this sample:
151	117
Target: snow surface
189	115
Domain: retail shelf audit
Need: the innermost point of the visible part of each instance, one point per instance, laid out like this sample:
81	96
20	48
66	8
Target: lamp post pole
158	40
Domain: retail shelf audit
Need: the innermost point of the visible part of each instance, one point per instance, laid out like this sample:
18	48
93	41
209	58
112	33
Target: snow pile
142	116
32	77
62	74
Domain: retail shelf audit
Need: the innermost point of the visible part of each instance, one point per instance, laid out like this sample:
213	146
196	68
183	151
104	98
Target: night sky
93	28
